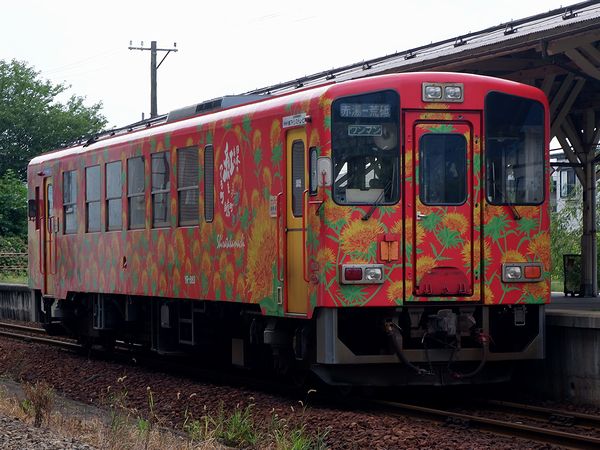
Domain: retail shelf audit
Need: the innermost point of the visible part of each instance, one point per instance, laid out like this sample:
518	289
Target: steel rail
500	426
557	416
41	338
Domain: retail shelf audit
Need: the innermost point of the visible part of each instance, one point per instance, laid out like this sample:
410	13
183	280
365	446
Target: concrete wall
571	370
16	302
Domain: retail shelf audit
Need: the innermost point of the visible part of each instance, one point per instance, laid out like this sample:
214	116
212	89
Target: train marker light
353	273
443	92
373	274
533	272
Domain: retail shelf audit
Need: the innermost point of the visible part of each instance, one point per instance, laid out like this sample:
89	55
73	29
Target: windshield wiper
381	196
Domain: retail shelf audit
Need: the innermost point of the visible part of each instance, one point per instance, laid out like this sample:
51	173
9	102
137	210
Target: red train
387	230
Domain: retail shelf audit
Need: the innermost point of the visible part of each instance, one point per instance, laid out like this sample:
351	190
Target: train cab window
114	192
92	198
365	149
136	192
442	169
161	186
187	185
70	201
209	183
514	150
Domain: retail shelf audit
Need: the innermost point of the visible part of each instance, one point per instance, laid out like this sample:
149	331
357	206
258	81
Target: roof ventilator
410	55
510	29
459	42
569	13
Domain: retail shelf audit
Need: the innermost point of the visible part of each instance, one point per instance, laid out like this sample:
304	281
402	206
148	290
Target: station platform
571	370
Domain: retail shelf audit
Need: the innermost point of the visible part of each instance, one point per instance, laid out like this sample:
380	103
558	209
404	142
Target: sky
224	47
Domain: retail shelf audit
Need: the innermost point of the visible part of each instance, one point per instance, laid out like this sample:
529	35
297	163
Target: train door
296	286
443	207
48	254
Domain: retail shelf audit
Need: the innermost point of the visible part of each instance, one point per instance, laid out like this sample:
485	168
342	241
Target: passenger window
209	183
443	169
136	192
114	192
70	201
187	185
161	186
92	198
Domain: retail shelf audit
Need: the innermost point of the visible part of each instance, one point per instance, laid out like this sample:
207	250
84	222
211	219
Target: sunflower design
538	290
325	259
267	178
229	275
219	226
397	227
456	221
261	254
395	292
512	256
539	247
206	265
424	265
180	244
275	135
420	235
336	215
144	285
359	238
256	139
217	285
162	284
494	211
488	295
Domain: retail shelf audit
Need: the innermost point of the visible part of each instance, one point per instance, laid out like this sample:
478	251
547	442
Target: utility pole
153	69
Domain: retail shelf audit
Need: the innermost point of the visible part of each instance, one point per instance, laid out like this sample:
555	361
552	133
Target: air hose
394	332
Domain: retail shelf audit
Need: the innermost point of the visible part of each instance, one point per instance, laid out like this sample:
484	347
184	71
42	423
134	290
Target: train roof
218	109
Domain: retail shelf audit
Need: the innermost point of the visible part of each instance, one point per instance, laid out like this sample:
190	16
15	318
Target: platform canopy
557	51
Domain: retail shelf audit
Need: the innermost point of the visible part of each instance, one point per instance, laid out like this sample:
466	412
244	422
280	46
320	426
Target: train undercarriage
443	344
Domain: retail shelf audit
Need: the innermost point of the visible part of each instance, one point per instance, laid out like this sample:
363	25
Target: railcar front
434	257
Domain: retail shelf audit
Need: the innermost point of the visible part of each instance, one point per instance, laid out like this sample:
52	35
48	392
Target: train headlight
522	272
512	272
431	93
453	93
374	274
361	273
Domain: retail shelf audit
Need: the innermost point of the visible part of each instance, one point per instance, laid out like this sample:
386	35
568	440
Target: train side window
297	178
209	183
187	185
313	179
70	201
92	198
114	193
136	192
443	169
161	186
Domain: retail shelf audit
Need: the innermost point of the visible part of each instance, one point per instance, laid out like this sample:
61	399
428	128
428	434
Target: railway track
509	427
34	334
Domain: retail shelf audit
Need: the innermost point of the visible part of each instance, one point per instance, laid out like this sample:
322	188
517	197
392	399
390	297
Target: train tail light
532	272
361	274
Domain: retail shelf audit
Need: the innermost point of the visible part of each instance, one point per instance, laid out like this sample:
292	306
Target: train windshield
365	148
514	128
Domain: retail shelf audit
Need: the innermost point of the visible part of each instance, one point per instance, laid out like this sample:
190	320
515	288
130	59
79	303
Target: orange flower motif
275	135
267	178
261	254
512	256
456	221
494	211
217	284
359	235
539	247
180	243
395	291
488	295
256	139
325	256
424	265
229	275
539	290
162	284
222	261
397	227
314	138
335	213
421	232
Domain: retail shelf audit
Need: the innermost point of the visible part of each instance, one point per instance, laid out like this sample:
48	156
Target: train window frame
298	175
209	183
135	196
114	196
490	172
184	175
93	199
423	194
382	149
160	189
69	178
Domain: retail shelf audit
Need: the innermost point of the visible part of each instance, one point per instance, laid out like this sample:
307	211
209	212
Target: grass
120	427
12	278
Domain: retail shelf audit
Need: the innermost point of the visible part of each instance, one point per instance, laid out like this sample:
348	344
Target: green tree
33	120
13	205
